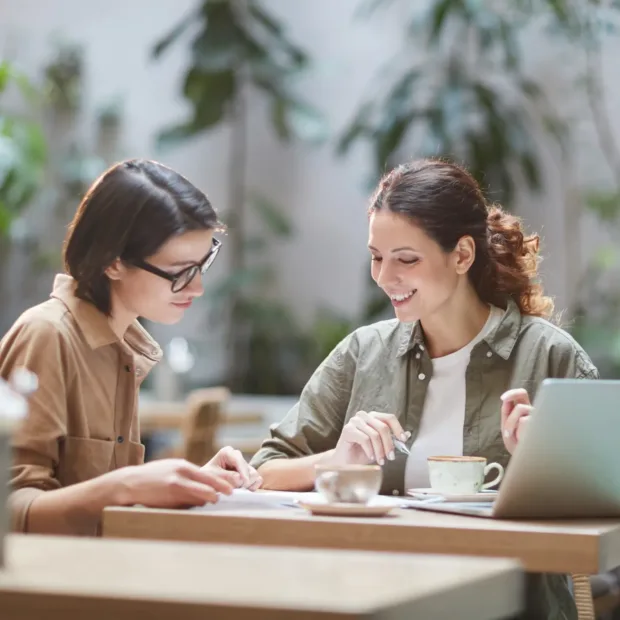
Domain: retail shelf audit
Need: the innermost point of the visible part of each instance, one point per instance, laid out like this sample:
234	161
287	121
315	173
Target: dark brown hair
446	202
129	212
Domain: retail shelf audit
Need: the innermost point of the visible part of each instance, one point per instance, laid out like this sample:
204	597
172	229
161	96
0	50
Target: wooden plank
58	578
557	547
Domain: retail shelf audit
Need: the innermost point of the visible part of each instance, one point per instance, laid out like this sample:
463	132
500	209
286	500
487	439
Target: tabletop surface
571	546
344	582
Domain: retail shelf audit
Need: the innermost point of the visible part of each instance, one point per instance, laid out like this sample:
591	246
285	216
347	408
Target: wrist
114	488
331	457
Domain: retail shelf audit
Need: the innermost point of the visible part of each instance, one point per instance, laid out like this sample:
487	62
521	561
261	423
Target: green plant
238	51
63	76
585	26
464	97
22	148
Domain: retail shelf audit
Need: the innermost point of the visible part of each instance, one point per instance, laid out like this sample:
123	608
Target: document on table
242	499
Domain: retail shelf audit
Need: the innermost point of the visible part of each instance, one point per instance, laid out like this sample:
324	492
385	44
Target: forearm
76	509
292	474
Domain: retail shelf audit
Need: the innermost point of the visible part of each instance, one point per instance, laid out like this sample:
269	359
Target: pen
400	445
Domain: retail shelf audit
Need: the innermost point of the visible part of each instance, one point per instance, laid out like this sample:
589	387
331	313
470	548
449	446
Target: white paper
244	500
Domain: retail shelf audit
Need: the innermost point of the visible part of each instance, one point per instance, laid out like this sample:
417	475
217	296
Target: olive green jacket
386	367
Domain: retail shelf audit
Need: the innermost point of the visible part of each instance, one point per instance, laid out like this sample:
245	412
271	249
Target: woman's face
148	295
417	275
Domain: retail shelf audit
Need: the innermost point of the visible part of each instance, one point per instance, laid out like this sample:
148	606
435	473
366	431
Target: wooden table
587	547
58	578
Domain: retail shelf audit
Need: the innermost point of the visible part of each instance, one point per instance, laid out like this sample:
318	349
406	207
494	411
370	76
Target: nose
387	275
196	288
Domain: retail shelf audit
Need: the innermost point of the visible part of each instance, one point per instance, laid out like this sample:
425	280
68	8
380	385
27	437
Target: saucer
488	495
344	509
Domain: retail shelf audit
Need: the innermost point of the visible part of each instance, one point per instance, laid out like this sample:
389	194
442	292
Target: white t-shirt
443	416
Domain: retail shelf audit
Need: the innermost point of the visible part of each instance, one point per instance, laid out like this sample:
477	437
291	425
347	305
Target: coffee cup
351	484
461	475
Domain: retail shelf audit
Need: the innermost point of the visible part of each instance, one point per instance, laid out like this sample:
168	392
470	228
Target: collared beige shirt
82	420
386	367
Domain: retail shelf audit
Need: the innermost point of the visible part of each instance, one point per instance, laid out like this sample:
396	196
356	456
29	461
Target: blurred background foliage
458	89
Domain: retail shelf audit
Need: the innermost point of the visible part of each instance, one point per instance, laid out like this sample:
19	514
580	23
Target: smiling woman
471	324
137	247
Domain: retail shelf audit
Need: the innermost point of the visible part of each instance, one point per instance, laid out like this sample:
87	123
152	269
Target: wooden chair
582	591
204	414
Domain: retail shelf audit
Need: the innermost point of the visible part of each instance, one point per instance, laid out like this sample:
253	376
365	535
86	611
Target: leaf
222	44
278	118
296	59
294	118
358	127
5	220
254	244
388	140
272	217
530	169
211	94
164	43
268	22
557	128
173	136
606	258
440	14
5	72
606	206
530	88
399	98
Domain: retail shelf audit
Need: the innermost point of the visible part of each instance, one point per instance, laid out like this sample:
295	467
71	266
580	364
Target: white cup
461	475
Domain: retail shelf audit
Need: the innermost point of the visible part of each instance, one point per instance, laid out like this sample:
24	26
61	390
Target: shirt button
421	376
395	492
489	353
418	356
139	372
421	347
120	439
128	368
154	352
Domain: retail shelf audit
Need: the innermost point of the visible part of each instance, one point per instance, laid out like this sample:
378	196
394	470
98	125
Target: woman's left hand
230	459
515	414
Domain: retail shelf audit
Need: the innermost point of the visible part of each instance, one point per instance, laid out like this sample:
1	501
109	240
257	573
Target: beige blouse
83	418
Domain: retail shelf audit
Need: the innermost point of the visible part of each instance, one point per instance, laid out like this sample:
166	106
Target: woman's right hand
171	483
367	438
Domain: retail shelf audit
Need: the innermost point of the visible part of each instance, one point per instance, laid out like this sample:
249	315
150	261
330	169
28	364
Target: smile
402	296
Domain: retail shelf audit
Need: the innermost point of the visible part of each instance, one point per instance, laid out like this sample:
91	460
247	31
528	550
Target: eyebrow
187	263
406	247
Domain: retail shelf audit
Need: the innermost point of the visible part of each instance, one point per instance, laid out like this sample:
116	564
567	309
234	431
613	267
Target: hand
515	414
231	461
171	483
367	438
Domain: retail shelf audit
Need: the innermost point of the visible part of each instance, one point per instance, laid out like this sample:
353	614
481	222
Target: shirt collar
95	325
501	340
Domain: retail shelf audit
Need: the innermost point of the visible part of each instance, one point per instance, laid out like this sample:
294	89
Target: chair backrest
204	414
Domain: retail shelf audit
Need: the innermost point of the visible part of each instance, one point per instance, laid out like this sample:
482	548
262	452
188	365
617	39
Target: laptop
567	464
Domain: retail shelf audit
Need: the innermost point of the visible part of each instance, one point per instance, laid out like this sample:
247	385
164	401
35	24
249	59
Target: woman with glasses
137	247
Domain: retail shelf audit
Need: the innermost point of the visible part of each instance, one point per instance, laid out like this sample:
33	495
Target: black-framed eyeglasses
182	279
